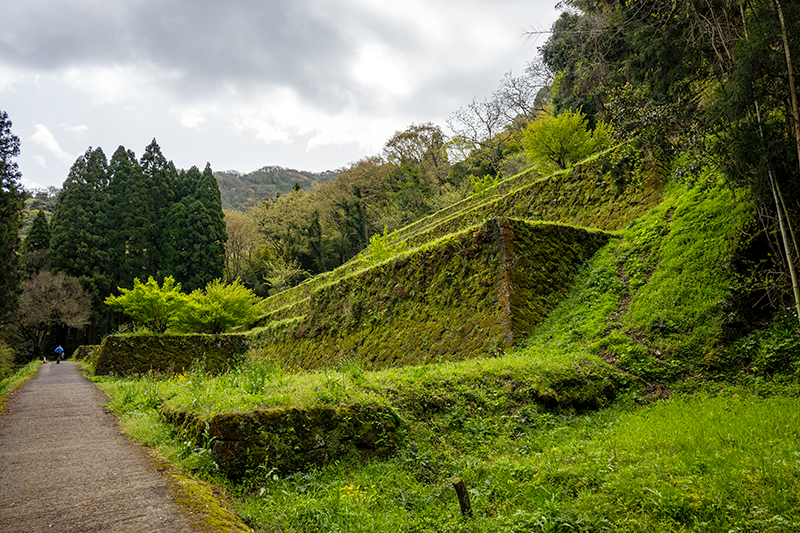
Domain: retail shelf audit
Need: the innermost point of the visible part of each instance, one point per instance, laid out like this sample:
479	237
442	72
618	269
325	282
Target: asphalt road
65	466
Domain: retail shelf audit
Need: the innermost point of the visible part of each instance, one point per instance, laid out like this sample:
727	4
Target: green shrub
769	351
150	305
218	308
382	247
6	360
556	142
481	184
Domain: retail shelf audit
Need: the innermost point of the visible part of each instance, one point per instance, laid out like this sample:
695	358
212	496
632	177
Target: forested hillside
583	304
242	191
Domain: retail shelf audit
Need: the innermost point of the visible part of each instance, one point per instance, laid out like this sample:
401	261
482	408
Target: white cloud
44	138
118	83
281	116
80	128
41	160
387	72
8	77
30	185
191	117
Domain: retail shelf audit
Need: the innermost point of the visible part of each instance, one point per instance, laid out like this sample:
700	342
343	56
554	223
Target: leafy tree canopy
150	305
215	309
219	308
555	142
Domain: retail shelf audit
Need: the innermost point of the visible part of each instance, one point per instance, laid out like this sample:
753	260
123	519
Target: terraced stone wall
595	194
85	351
139	354
467	295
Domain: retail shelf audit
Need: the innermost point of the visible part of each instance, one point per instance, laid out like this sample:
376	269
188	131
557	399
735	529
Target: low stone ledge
127	355
292	439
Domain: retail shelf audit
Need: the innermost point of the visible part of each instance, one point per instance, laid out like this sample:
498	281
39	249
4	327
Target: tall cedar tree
12	200
37	244
39	235
195	236
128	204
207	192
153	197
78	244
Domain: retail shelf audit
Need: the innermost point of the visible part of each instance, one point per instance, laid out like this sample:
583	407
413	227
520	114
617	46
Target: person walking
59	353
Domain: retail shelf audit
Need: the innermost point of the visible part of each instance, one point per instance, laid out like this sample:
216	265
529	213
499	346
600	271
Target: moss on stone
593	194
467	295
139	354
86	352
292	439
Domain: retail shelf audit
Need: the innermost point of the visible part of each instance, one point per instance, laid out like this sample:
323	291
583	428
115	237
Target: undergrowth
548	437
17	378
722	460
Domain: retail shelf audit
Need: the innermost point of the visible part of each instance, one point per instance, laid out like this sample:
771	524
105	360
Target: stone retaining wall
292	439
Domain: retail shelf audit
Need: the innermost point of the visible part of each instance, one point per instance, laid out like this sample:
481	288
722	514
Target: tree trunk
787	248
796	120
790	70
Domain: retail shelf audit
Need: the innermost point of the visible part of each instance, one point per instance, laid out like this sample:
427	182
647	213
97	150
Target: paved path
66	467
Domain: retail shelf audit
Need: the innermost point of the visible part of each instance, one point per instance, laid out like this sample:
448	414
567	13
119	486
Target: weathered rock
292	439
127	355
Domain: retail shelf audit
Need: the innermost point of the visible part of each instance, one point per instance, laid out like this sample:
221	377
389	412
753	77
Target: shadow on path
65	466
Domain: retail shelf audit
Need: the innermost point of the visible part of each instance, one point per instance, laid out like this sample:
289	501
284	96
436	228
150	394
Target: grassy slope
718	455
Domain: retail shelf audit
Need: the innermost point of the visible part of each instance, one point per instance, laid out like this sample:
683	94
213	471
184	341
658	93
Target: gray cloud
289	78
208	45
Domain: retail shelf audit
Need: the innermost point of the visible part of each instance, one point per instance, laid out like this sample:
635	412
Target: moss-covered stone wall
592	194
292	439
584	197
139	354
85	351
541	261
467	295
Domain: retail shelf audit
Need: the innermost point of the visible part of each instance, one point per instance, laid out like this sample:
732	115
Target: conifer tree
152	201
187	183
37	244
207	192
129	243
78	244
11	207
195	245
39	235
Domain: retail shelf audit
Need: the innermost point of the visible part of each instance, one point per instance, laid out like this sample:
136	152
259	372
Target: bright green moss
591	195
466	296
139	354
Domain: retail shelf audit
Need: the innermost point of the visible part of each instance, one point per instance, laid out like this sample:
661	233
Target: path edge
205	505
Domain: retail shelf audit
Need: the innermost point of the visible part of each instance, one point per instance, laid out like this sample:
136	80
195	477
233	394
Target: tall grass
257	383
696	464
652	302
16	379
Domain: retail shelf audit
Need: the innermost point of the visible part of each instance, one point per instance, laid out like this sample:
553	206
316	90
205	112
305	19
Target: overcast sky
304	84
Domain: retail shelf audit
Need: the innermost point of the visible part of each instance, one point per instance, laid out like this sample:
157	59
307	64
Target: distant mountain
242	191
